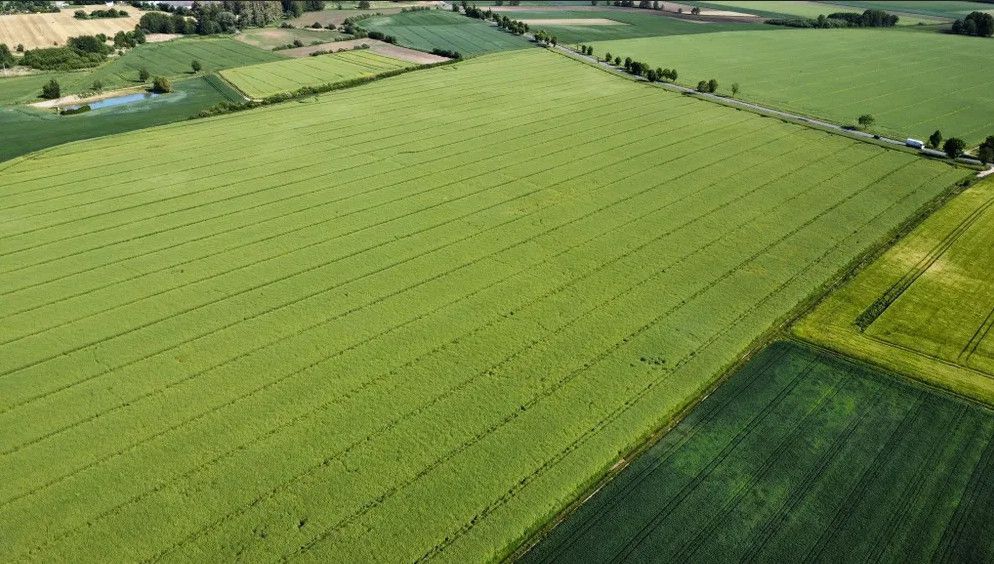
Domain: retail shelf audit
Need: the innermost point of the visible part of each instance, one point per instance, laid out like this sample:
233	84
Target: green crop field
27	129
311	329
631	24
171	59
903	79
800	457
926	306
427	30
803	9
266	79
270	37
950	9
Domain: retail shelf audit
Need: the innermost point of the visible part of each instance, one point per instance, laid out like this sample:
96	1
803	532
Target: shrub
143	74
51	90
196	66
73	111
6	57
61	58
161	85
986	151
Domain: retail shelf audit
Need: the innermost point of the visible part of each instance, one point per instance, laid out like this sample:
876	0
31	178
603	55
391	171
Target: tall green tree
935	139
954	147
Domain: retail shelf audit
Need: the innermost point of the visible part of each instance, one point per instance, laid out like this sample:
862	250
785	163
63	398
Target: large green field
952	9
926	306
312	330
800	457
266	79
631	24
441	29
805	9
904	79
171	59
27	129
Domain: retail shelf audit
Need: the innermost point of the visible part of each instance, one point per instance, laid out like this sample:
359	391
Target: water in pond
118	101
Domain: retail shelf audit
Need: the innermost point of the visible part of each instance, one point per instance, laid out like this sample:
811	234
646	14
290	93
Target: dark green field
800	456
26	129
427	30
632	24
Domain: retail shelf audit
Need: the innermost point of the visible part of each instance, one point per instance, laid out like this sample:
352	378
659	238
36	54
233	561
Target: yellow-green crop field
313	331
267	79
926	307
912	83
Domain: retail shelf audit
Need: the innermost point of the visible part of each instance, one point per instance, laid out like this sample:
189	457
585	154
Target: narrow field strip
221	359
268	79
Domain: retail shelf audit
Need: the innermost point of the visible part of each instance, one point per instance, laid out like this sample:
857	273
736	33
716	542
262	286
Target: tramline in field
925	307
309	330
799	456
905	80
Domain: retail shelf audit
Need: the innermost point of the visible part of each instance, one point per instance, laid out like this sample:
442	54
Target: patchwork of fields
902	78
631	24
310	330
427	30
171	59
267	79
800	457
926	306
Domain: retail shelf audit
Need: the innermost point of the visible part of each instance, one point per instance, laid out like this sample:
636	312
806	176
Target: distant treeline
26	7
227	16
869	18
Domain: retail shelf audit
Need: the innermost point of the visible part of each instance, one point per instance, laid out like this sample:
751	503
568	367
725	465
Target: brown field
49	30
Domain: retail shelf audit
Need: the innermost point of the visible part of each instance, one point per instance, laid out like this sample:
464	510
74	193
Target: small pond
116	101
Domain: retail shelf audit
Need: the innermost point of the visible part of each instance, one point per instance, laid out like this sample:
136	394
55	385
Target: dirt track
49	30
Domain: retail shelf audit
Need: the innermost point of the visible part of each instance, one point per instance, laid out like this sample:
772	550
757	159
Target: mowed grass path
800	457
427	30
259	81
926	307
311	330
903	79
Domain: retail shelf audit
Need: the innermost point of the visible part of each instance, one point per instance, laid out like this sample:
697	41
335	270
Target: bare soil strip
573	21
